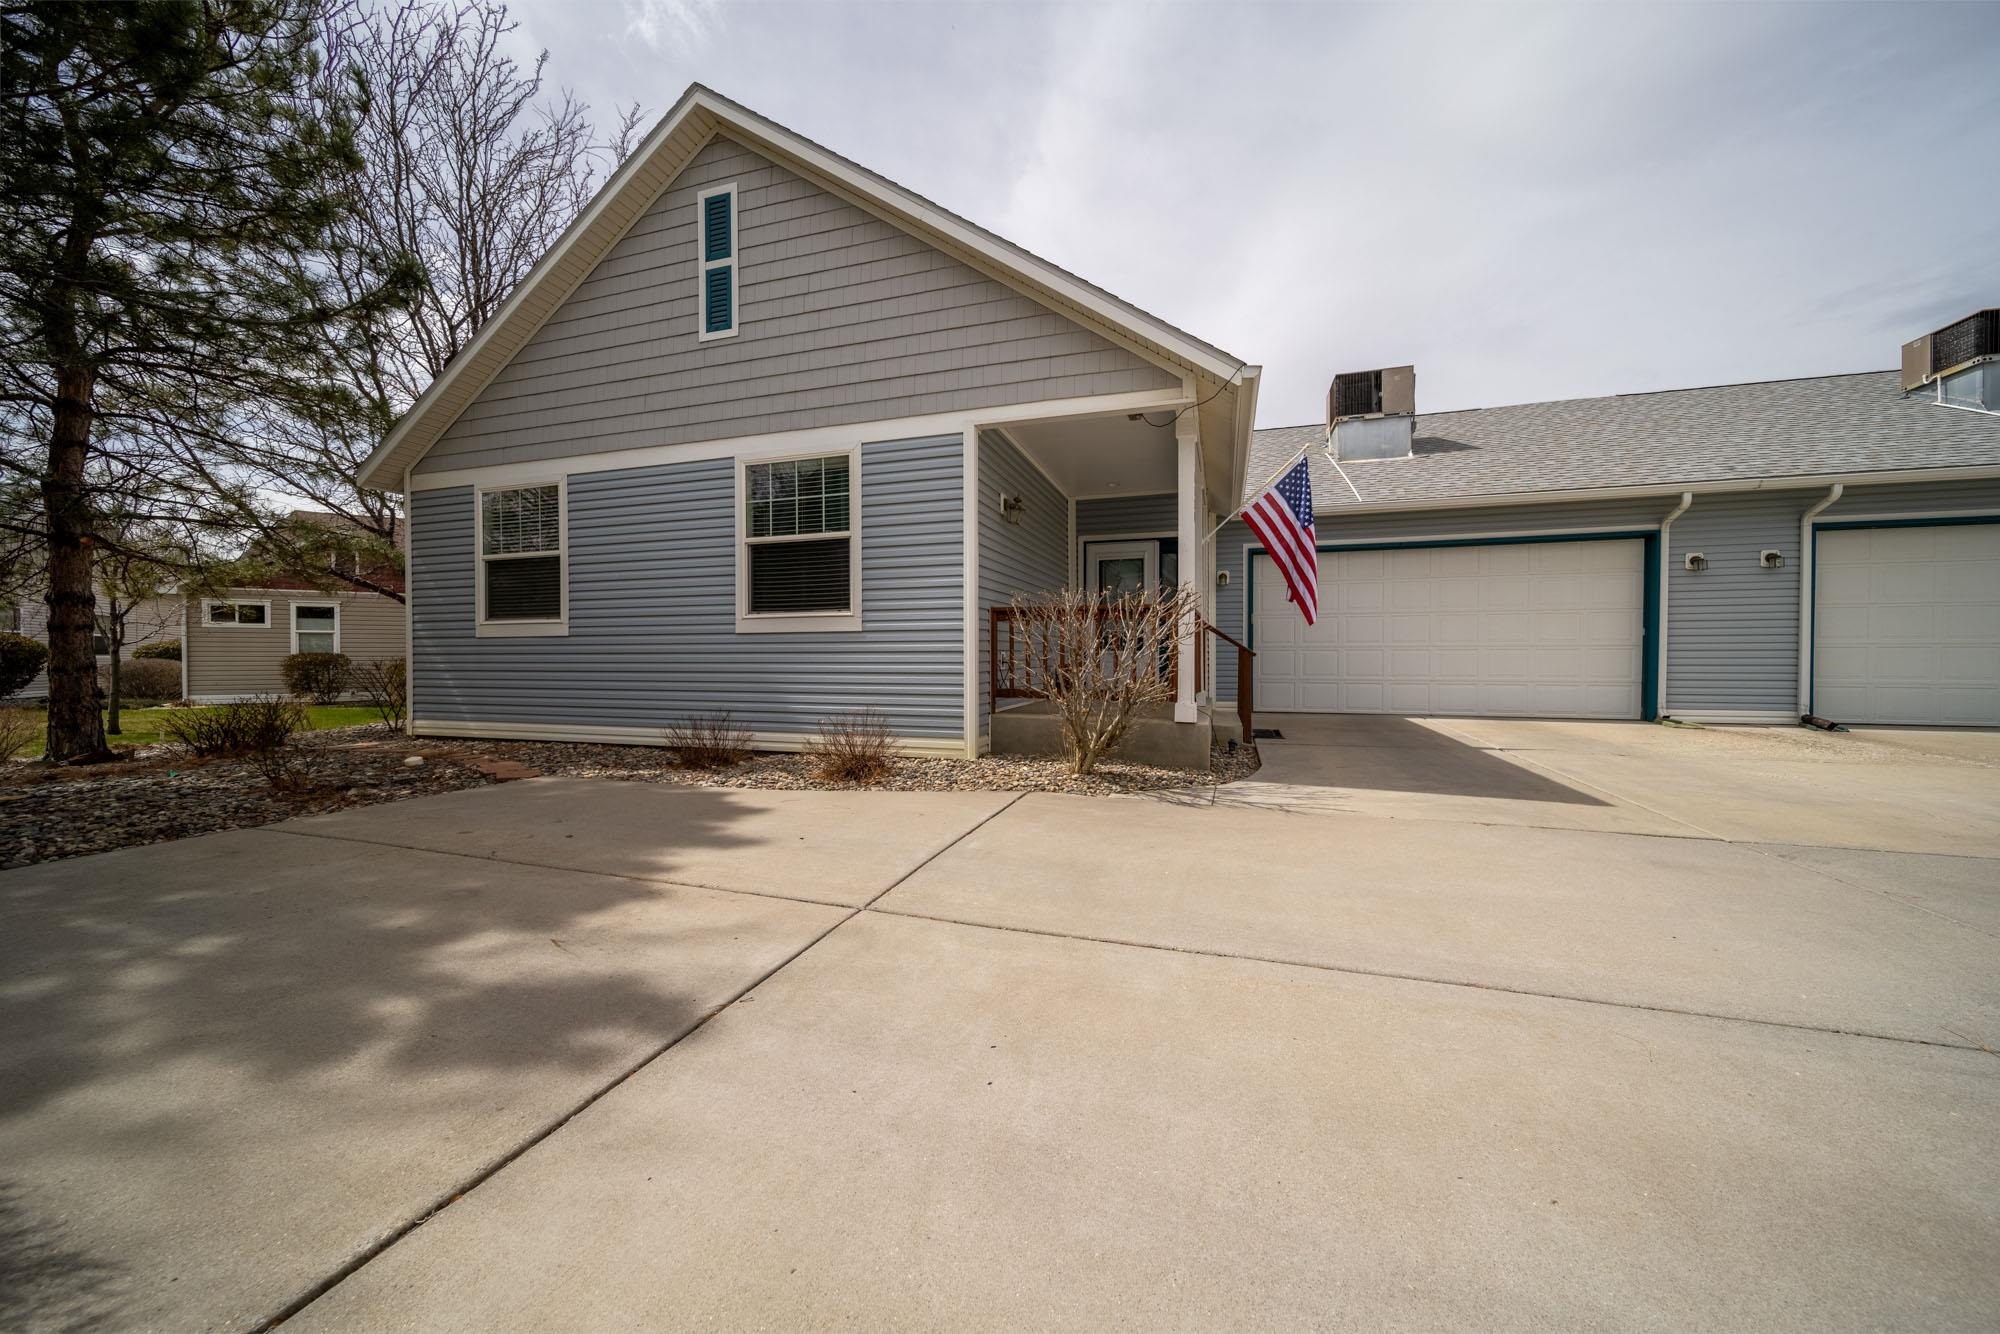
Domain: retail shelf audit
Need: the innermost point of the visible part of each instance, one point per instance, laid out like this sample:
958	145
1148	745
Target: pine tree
169	172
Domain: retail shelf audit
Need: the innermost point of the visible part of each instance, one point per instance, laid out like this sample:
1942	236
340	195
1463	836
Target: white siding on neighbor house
148	622
226	662
843	318
1026	559
652	610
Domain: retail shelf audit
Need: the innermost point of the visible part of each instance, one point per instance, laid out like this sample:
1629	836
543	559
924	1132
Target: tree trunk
76	729
114	638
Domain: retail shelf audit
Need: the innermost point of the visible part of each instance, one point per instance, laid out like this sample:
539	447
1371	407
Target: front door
1122	568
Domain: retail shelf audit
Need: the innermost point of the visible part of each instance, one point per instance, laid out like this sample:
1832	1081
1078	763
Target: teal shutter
720	305
715	227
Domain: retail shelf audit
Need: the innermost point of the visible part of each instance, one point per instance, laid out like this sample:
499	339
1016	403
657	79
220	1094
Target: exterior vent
1391	392
1938	354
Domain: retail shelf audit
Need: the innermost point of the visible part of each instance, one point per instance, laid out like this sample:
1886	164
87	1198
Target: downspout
1806	545
1666	572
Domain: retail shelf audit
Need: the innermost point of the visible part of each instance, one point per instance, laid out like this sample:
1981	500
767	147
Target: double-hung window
799	567
315	627
521	553
717	262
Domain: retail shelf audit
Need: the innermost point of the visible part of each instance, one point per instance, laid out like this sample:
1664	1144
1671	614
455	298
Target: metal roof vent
1952	348
1372	414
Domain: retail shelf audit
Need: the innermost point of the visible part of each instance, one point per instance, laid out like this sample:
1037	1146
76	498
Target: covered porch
1123	503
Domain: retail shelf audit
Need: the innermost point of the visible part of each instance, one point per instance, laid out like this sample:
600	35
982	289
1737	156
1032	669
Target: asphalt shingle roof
1740	432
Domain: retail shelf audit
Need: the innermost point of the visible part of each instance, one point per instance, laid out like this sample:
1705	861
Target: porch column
1191	498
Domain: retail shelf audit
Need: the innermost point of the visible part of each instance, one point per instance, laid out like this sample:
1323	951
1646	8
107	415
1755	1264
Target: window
521	584
247	614
100	636
315	627
716	266
799	555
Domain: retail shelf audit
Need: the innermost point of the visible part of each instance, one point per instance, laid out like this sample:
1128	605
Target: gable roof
698	116
1829	425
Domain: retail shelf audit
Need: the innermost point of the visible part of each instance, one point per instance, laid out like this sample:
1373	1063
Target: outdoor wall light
1222	578
1770	560
1012	508
1696	561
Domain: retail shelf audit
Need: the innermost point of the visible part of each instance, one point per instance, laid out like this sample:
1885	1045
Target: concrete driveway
578	1055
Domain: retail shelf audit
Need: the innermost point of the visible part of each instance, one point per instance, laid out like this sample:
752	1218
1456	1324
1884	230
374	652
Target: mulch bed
160	794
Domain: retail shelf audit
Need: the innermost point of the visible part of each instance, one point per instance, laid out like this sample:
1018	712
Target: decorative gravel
160	794
47	813
992	773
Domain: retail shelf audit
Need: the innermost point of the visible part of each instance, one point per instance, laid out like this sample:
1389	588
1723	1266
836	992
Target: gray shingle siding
652	588
1126	514
1028	559
843	318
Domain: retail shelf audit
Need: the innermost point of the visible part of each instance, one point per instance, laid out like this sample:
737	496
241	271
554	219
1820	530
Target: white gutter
1804	483
1806	595
1666	572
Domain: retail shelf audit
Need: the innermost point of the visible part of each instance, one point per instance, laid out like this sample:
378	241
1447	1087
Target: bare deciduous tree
1099	658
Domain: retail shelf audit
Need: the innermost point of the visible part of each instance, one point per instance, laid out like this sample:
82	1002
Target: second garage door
1537	629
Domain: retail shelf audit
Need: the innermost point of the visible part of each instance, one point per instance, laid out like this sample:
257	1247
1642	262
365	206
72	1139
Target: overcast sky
1526	202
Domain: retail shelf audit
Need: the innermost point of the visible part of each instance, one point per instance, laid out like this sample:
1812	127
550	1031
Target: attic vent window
716	262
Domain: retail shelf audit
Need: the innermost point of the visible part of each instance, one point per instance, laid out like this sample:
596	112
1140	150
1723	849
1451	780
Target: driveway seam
1967	1045
478	1178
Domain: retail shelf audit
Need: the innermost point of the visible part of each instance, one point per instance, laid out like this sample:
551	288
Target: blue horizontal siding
652	623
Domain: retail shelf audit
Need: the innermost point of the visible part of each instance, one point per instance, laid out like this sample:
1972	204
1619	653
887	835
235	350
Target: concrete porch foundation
1031	728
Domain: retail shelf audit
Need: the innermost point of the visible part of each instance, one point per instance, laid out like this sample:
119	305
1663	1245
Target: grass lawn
142	727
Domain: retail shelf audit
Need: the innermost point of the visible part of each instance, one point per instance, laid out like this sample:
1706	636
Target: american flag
1282	518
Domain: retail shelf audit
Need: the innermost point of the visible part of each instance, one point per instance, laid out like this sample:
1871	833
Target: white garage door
1545	629
1907	625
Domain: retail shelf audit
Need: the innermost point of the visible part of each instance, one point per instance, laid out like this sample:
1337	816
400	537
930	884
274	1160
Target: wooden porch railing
1010	661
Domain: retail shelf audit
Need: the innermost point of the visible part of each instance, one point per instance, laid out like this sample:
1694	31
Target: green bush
21	661
255	726
147	678
167	649
385	685
319	677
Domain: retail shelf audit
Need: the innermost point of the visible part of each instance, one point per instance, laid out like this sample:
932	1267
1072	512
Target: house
767	433
237	638
148	621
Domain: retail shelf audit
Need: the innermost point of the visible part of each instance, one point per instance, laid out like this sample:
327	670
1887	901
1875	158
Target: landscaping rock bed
992	773
159	794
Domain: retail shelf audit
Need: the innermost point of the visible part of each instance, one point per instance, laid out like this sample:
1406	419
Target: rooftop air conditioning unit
1391	392
1951	348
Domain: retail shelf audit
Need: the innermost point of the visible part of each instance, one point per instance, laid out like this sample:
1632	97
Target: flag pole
1289	463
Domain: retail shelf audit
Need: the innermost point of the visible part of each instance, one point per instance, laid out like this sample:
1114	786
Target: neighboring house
238	638
767	433
147	622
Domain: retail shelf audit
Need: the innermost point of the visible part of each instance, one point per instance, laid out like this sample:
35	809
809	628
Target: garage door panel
1907	625
1526	628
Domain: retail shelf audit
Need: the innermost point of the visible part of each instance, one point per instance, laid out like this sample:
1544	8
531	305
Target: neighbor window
236	613
521	554
798	557
315	627
716	265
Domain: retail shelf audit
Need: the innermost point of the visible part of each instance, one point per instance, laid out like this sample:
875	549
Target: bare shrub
18	730
145	679
384	685
261	727
1099	659
708	741
319	677
851	748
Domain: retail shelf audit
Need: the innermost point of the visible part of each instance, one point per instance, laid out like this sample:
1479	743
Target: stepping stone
500	771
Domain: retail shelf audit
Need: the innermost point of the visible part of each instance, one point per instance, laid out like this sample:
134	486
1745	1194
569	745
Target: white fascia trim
1815	482
656	736
826	439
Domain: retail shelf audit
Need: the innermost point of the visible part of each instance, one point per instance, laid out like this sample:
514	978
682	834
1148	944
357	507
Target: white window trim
207	604
784	622
703	264
334	607
519	629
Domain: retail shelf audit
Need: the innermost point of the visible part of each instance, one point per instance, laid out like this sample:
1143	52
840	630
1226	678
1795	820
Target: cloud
683	26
